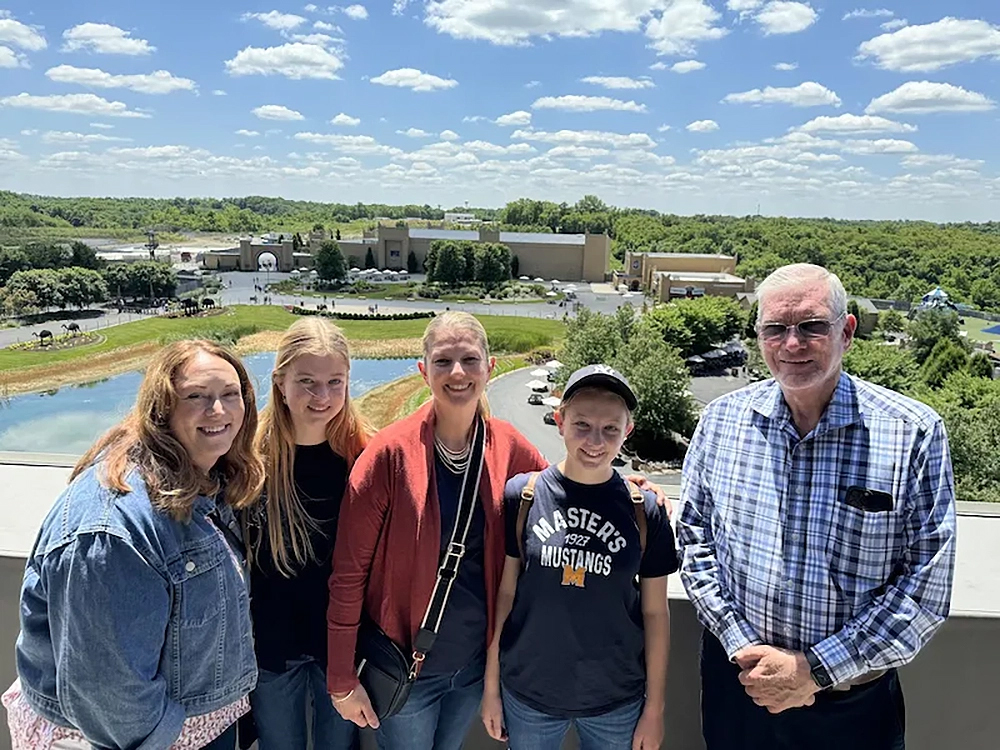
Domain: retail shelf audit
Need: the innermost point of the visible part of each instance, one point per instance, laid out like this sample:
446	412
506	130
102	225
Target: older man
817	531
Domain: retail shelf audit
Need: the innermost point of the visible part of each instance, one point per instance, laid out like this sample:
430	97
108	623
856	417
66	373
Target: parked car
549	418
535	399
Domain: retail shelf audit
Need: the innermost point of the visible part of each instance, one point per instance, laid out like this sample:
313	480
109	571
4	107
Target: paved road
509	400
101	319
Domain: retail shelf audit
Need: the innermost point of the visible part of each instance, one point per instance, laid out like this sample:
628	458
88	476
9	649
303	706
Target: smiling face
457	369
314	388
209	410
594	425
805	364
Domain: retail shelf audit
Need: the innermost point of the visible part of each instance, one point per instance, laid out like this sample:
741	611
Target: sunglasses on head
816	328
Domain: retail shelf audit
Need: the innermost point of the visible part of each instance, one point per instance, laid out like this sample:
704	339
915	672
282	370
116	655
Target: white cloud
933	46
11	59
894	24
219	92
485	147
703	126
743	6
310	8
356	12
586	137
324	26
277	20
519	118
532	84
346	120
102	126
811	158
295	61
105	39
475	118
21	35
866	13
449	135
411	78
782	17
11	144
658	66
917	161
79	104
784	66
322	40
158	82
55	136
682	25
575	103
688	66
247	133
357	145
277	112
855	124
576	152
619	82
414	133
881	146
808	94
663	129
922	97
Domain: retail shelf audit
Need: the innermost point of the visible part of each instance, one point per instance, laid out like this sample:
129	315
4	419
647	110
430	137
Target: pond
69	419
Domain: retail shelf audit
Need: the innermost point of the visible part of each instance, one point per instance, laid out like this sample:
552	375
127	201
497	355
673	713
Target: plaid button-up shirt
773	554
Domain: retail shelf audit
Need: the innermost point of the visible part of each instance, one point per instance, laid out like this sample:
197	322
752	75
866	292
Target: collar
841	411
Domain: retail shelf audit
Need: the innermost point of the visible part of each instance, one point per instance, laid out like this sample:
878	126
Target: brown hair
144	441
288	524
455	320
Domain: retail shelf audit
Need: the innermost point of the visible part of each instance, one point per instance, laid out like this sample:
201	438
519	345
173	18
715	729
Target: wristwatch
819	674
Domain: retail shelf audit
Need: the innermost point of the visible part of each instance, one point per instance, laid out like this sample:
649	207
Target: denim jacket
132	621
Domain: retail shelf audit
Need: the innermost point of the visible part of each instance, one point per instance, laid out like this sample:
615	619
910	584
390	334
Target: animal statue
73	328
190	306
321	307
254	299
44	335
208	302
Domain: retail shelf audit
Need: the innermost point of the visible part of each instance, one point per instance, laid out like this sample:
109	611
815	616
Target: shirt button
788	630
190	566
795	537
787	583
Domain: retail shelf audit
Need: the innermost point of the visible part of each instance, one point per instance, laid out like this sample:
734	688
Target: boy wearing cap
577	640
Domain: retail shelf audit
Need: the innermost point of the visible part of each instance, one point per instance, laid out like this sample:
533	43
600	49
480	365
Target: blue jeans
530	729
279	709
438	713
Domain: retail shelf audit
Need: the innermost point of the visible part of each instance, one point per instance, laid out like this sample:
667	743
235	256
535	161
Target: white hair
796	275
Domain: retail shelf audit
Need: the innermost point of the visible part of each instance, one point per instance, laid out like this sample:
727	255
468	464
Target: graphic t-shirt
461	639
573	644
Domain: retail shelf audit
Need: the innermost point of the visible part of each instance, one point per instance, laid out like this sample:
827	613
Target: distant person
577	641
397	522
135	613
817	534
310	435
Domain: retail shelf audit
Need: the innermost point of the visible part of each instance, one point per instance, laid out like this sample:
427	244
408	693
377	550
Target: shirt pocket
861	547
199	582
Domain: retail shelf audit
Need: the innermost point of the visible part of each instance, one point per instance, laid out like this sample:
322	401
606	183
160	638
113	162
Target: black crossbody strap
468	497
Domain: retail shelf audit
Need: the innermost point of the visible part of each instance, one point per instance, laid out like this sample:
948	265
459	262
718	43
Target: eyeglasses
808	329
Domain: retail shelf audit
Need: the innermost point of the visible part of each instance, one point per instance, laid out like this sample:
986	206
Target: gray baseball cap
604	377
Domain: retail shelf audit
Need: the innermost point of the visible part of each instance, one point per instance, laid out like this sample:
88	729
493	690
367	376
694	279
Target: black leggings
867	717
225	741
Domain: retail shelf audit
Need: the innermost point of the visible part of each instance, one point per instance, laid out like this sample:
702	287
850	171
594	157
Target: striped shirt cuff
840	657
737	635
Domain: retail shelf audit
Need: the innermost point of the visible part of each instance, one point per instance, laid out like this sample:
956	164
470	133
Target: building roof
534	238
714	256
700	276
865	304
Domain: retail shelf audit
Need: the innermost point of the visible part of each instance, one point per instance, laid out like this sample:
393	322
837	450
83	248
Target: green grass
975	326
244	318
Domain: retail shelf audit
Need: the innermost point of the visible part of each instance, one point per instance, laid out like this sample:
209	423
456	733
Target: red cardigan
389	534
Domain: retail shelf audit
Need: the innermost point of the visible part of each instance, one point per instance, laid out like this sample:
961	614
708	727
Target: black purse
384	669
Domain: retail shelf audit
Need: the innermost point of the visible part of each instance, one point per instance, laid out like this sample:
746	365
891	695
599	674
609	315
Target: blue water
69	419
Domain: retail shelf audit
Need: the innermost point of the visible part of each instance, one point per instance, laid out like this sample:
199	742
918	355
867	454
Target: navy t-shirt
573	644
461	639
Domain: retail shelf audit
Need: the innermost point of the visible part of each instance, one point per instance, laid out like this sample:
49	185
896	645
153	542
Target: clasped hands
776	678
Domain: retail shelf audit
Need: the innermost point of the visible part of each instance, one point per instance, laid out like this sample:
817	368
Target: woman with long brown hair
310	435
135	614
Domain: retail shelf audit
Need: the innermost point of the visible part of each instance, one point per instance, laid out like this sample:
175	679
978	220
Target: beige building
246	257
669	276
567	257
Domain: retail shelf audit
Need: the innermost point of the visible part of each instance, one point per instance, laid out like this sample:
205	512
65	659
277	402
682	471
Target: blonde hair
288	524
144	441
463	322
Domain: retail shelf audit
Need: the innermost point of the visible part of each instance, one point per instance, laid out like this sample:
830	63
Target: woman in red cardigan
397	517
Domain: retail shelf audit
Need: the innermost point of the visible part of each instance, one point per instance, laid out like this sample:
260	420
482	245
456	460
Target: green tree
591	338
12	260
412	265
892	321
889	366
492	266
673	328
41	283
981	366
369	259
985	294
449	266
84	256
946	357
330	263
515	267
16	302
82	287
928	328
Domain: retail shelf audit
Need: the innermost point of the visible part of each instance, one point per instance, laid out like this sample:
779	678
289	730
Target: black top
461	640
573	644
289	614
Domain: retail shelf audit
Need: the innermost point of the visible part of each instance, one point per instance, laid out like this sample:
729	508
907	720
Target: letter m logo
573	576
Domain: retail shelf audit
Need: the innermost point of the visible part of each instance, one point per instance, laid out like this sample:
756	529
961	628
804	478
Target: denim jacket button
189	567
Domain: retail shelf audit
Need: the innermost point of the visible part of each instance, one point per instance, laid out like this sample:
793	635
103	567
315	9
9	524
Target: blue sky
879	110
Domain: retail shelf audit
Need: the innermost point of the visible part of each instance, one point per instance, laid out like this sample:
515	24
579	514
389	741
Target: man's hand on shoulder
643	483
776	678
